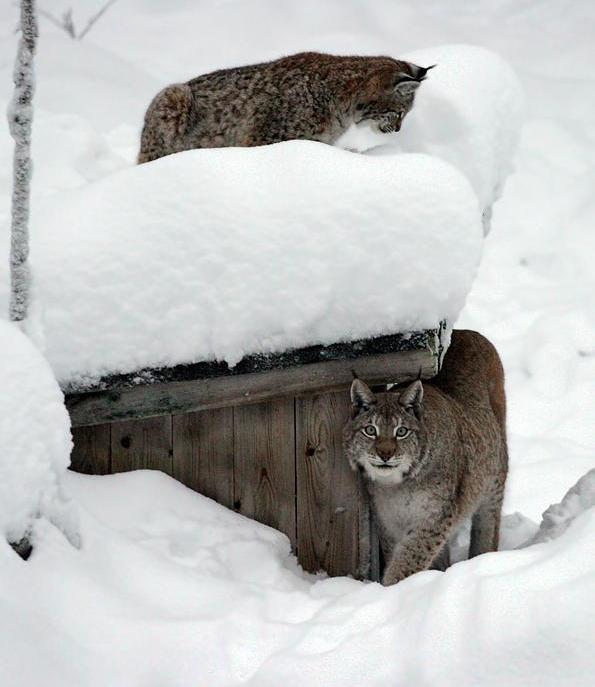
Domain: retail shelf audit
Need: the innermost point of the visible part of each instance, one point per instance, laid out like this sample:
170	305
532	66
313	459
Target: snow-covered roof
216	254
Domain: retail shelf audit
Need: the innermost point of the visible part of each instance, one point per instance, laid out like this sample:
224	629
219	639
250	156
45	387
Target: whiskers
393	471
383	464
387	128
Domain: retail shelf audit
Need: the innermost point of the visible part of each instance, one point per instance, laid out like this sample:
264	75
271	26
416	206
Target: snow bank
173	589
559	516
34	439
214	254
468	112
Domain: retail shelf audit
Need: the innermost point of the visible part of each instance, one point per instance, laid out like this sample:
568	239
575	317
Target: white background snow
170	589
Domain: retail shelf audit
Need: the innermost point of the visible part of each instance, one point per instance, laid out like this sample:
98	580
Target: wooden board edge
190	396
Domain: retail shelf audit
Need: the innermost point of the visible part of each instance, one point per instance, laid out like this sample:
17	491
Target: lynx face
388	96
383	436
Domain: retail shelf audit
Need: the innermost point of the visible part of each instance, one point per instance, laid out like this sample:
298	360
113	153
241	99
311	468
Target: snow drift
214	254
35	439
172	588
559	516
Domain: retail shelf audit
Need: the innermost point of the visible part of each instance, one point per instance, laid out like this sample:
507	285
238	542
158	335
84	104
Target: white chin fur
394	475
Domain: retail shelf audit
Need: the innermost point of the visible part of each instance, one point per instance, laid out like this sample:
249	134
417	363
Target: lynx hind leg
166	122
485	525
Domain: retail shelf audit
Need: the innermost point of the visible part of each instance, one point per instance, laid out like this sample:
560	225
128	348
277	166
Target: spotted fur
433	455
311	96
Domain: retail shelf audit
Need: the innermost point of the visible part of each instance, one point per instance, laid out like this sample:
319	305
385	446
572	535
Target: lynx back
311	96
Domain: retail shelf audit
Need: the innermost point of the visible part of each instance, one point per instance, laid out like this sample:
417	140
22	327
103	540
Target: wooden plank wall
327	492
279	462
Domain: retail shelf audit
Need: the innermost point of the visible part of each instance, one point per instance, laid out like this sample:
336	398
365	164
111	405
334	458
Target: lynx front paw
395	573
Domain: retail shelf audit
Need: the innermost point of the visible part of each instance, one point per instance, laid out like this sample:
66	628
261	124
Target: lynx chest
400	508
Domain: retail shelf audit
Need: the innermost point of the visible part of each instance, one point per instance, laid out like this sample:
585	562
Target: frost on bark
20	115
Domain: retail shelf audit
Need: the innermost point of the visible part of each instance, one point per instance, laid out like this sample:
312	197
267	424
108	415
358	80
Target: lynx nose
386	451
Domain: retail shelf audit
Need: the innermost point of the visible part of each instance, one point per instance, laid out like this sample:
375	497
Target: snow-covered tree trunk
20	116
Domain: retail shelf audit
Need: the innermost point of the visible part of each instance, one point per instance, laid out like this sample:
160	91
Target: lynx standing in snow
433	455
306	96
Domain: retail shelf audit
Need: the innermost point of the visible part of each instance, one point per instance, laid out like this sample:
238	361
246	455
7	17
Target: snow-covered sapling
20	116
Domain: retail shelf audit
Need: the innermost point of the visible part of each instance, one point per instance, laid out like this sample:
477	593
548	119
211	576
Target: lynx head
382	438
387	94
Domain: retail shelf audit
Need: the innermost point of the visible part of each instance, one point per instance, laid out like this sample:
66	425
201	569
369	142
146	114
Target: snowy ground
170	589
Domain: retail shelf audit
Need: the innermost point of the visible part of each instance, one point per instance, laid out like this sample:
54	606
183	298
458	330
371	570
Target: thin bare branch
66	22
57	22
94	19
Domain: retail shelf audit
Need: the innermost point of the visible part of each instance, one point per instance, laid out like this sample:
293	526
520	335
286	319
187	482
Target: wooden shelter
262	438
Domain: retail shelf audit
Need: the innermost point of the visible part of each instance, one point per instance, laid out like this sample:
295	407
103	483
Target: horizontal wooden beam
125	403
427	339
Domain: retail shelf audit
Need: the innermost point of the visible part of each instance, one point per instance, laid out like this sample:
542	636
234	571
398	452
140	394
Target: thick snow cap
215	254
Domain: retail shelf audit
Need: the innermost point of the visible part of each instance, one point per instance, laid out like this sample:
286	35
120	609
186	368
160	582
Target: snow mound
468	112
173	589
559	516
35	439
215	254
470	115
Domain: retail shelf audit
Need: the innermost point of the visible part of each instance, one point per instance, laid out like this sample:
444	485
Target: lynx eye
401	432
369	430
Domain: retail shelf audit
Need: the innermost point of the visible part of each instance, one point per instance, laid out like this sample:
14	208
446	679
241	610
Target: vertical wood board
264	464
143	444
203	446
327	489
91	452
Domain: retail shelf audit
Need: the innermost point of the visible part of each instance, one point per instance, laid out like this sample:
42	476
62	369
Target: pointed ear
411	398
419	73
406	84
362	397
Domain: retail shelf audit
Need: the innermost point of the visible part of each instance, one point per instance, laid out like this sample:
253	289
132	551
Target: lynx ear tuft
412	397
408	83
362	397
421	72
